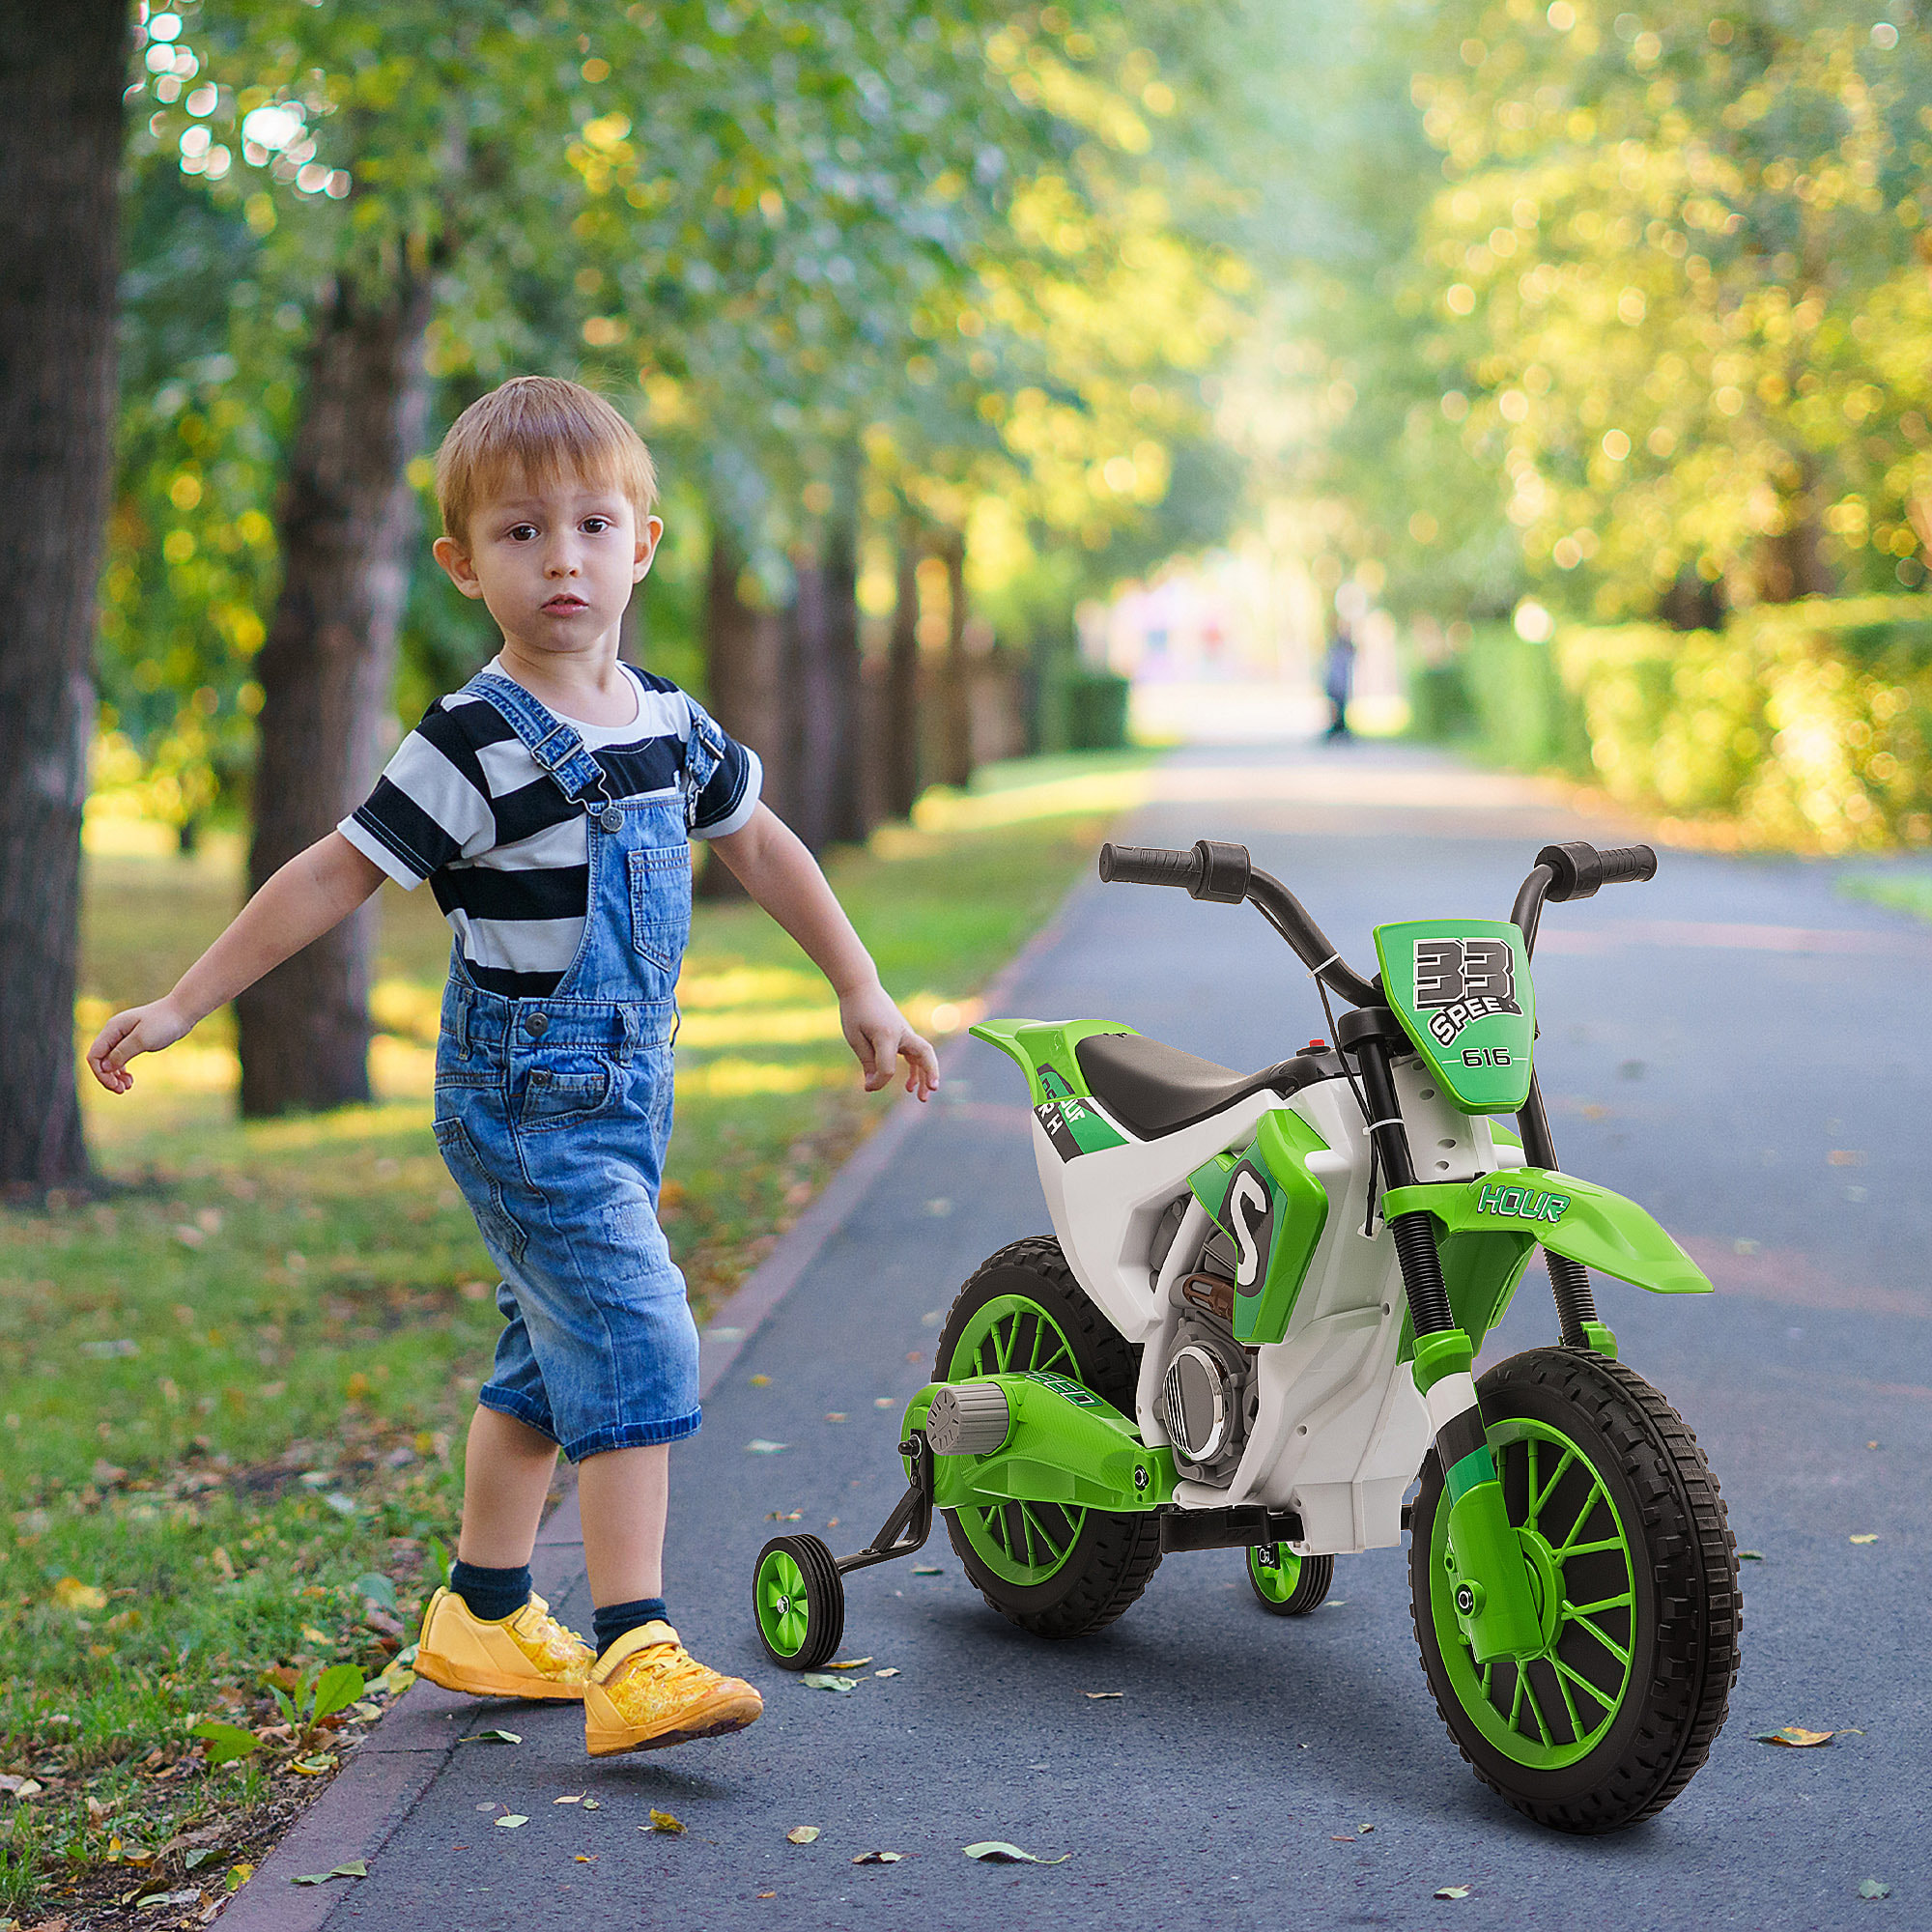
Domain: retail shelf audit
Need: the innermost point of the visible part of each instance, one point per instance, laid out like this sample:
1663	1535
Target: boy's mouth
565	602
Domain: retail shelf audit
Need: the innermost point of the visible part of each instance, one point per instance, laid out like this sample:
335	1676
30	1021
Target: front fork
1496	1605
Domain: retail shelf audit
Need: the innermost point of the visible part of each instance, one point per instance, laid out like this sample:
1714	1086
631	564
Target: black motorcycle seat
1156	1090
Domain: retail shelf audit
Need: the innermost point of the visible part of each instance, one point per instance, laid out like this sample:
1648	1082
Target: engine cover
1204	1398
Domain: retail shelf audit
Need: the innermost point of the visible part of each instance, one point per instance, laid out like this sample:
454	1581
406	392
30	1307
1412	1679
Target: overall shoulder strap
556	747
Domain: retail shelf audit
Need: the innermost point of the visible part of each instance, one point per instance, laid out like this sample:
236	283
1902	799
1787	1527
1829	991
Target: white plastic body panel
1341	1430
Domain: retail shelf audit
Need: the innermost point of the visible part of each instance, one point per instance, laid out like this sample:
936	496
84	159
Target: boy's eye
521	532
596	525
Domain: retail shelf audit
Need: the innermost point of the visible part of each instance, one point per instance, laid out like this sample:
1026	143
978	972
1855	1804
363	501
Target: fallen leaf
1096	1696
1796	1736
592	1804
925	1570
586	1857
1751	1555
817	1680
156	1900
883	1402
761	1381
1871	1888
847	1662
878	1858
72	1594
892	1673
662	1821
491	1738
310	1634
510	1821
200	1856
1363	1831
574	1798
396	1679
25	1787
758	1446
1452	1891
1846	1157
803	1834
835	1415
239	1875
782	1515
1871	1535
1872	1445
997	1852
1335	1838
350	1868
377	1590
316	1766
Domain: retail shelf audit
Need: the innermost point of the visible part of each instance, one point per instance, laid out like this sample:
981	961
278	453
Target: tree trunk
744	659
901	696
61	71
844	782
1691	602
1791	563
814	700
956	678
348	518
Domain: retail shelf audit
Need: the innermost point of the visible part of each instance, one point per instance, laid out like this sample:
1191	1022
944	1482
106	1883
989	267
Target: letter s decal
1250	1210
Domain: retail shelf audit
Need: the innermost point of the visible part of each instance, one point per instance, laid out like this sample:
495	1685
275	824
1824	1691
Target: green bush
1094	703
1800	725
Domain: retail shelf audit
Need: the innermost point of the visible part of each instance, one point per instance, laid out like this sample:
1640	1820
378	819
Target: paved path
1735	1045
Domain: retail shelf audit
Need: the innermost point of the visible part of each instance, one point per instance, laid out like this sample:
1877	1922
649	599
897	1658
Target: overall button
536	1025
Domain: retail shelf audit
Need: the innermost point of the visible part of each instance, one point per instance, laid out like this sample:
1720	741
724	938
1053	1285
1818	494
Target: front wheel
1633	1564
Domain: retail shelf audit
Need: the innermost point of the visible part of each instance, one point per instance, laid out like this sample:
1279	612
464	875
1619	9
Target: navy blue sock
490	1594
615	1620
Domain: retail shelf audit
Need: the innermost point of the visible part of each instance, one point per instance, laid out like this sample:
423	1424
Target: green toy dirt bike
1258	1322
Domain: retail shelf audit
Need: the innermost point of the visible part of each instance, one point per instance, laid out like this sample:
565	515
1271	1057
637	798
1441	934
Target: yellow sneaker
647	1691
528	1654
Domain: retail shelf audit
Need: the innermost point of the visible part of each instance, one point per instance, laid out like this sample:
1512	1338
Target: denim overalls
554	1115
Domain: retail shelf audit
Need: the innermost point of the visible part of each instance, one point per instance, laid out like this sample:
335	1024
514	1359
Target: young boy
548	804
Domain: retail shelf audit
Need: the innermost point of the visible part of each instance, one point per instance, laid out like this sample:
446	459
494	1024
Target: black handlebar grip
1628	865
1148	866
1579	869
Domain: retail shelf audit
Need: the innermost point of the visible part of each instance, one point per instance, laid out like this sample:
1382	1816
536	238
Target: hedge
1801	726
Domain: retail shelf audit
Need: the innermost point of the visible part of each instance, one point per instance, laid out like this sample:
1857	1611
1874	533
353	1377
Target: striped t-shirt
464	805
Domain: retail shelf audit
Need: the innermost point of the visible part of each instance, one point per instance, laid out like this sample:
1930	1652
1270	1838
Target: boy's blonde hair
538	431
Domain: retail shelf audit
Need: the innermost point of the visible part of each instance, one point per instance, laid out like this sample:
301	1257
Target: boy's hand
139	1030
878	1032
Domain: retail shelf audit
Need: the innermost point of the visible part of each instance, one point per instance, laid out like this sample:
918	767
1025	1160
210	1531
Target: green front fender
1589	1224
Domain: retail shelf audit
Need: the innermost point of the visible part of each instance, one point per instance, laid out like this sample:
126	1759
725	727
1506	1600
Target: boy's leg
646	1691
506	1475
487	1633
623	1494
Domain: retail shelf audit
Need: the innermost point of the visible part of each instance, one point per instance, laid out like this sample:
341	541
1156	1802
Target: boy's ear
649	533
456	561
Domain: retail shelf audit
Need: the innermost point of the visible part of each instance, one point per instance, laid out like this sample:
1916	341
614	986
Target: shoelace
557	1642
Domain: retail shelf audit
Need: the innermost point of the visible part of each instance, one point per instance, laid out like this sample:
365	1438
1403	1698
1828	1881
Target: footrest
1246	1527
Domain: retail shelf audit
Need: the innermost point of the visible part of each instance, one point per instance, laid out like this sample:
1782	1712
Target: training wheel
799	1601
1285	1584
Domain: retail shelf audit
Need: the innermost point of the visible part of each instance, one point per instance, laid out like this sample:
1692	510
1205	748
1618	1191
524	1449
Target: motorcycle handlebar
1579	870
1223	874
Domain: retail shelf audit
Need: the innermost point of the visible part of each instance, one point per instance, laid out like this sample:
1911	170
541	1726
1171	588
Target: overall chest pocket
661	903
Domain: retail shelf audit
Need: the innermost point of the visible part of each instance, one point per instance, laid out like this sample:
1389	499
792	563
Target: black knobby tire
1685	1610
1314	1577
806	1633
1113	1555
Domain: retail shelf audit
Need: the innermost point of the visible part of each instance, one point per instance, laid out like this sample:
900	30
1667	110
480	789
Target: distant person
550	803
1338	681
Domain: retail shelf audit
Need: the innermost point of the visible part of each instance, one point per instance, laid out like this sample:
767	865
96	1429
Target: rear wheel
1287	1585
1055	1571
1634	1566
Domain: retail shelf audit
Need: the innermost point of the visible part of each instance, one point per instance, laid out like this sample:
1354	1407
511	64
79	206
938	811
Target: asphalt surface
1738	1046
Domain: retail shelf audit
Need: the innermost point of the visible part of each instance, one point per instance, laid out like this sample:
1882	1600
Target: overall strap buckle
556	747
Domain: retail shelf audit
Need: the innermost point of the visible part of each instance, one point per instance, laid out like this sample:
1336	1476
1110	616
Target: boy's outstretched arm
316	889
778	871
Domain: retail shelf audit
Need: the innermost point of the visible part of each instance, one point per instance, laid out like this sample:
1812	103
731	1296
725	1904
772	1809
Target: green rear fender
1045	1050
1591	1225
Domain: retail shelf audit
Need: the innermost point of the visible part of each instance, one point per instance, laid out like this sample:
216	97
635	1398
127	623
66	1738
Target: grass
1901	888
235	1378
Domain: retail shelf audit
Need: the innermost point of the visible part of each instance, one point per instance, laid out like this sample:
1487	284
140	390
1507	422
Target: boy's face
554	567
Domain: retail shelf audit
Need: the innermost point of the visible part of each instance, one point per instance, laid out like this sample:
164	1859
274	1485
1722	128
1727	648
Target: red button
1316	1046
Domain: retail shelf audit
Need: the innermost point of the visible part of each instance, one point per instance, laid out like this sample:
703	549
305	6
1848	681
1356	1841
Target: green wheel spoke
1570	1549
1625	1602
1565	1675
1569	1704
1537	1498
1583	1516
1609	1643
1516	1703
1535	1709
1529	1523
